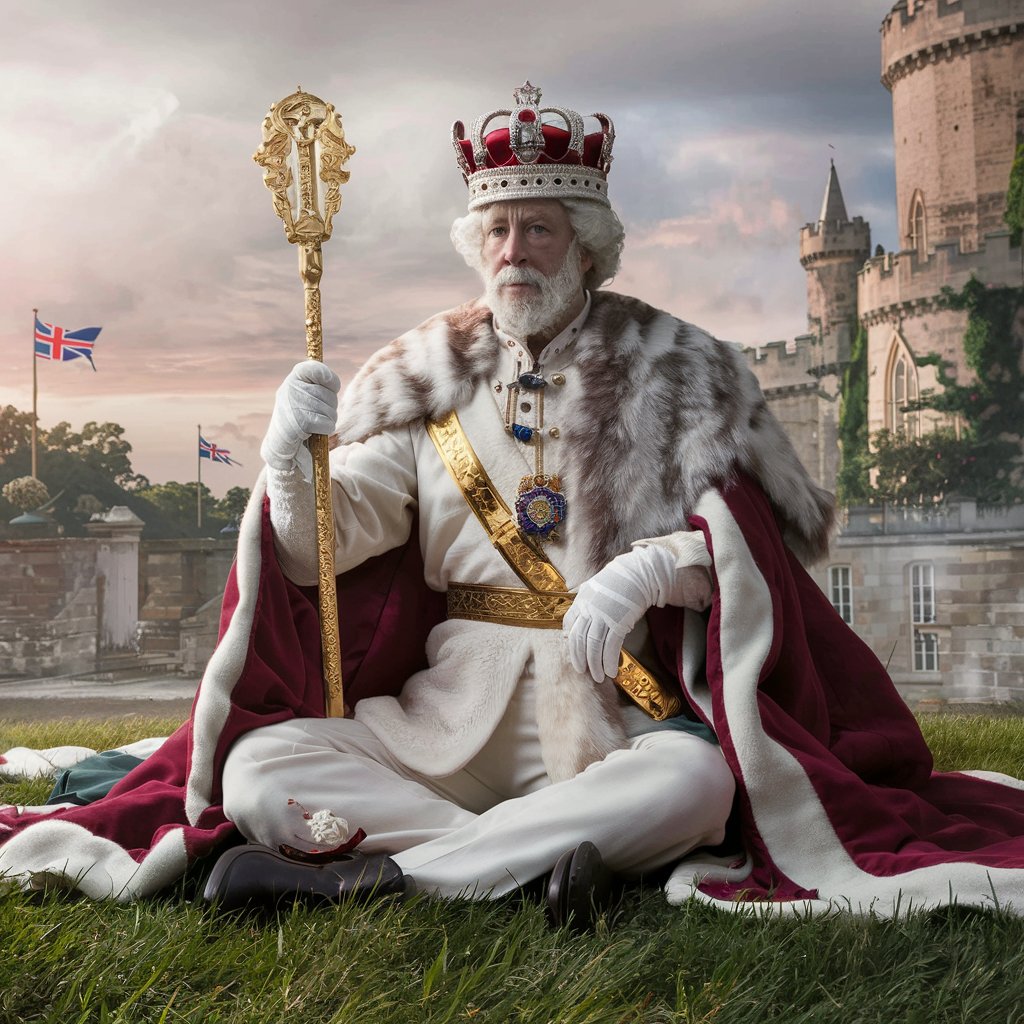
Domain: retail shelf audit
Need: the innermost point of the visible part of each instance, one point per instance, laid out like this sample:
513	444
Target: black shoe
252	874
579	889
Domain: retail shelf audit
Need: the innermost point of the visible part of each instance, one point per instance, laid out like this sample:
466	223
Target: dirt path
43	700
34	709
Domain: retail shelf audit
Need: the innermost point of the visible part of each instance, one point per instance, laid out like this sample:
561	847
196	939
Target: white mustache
518	275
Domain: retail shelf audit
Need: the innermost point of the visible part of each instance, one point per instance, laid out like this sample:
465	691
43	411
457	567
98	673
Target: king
578	638
545	735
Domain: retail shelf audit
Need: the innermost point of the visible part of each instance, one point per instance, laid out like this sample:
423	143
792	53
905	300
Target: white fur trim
789	815
213	702
95	866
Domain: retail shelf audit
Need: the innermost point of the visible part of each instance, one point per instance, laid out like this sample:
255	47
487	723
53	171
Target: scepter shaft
311	270
302	133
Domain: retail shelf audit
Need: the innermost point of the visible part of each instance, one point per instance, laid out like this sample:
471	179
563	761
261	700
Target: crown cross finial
526	95
526	136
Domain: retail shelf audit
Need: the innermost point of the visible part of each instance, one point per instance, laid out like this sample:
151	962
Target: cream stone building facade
939	595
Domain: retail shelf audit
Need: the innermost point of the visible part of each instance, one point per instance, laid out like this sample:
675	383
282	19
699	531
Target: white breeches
495	824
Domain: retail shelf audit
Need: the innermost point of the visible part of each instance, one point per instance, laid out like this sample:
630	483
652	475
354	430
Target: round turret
955	69
832	250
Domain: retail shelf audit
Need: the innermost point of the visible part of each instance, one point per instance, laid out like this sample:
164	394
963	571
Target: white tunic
445	714
472	778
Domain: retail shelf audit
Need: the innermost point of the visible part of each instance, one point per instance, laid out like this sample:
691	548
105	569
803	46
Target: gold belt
507	606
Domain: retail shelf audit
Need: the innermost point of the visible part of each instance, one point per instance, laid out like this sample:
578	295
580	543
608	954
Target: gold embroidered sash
528	562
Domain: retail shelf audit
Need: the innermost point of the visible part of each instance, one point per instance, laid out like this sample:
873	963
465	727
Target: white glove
611	602
306	403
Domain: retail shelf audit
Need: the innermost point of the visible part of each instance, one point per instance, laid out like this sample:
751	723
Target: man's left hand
611	603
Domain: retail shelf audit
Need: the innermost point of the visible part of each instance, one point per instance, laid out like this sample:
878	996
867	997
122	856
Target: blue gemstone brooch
540	505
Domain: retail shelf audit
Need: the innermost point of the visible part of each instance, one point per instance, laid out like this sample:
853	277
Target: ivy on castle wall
984	459
1014	215
852	483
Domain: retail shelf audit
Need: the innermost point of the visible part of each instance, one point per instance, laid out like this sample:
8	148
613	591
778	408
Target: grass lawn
173	959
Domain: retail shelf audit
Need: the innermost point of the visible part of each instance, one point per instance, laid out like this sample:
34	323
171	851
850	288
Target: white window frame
926	651
922	613
840	591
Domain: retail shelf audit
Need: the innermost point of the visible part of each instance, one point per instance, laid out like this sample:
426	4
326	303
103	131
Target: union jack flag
208	450
60	345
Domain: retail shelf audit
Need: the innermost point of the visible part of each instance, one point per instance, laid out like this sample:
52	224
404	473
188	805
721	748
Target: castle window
926	651
841	591
902	392
918	226
922	615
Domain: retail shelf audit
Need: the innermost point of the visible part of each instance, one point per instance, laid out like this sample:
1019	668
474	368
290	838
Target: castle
955	69
936	593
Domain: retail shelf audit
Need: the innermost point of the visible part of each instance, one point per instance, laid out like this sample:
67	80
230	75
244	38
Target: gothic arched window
902	390
918	228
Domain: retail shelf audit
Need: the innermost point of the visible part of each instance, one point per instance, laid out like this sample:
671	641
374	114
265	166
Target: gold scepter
303	147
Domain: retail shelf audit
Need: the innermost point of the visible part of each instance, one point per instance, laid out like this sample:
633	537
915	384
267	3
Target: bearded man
514	749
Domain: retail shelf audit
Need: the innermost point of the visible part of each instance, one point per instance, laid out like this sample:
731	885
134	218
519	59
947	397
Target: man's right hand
306	403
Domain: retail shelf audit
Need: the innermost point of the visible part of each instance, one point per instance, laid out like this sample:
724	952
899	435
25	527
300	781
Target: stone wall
890	285
977	560
832	254
48	621
900	297
803	397
54	595
177	578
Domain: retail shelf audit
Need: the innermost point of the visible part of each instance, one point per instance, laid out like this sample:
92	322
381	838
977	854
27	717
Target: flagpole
35	389
199	476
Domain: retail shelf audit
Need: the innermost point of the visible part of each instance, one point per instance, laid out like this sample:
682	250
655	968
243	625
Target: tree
179	500
852	484
15	432
101	446
984	457
232	505
94	463
923	470
1014	215
26	493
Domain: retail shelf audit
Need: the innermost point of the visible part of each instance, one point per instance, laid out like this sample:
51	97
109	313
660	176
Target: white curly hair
597	228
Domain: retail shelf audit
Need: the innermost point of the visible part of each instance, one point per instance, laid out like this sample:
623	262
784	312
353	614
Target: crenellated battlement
835	239
903	282
792	364
918	33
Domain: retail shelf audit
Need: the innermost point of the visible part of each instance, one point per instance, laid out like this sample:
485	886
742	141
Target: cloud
133	202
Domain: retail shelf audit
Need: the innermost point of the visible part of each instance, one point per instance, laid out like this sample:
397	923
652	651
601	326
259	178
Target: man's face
535	234
532	266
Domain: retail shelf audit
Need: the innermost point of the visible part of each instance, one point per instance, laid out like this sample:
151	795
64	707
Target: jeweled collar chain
540	504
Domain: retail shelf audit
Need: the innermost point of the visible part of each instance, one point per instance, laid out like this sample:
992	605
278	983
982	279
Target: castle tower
832	250
955	69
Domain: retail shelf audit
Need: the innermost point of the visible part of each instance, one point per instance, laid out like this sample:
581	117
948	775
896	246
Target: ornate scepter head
302	157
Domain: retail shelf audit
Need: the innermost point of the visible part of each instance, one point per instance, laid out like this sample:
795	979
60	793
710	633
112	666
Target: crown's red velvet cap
556	149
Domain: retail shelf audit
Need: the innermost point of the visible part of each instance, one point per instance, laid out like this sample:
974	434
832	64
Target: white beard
525	316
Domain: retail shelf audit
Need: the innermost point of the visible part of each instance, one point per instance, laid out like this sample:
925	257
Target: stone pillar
117	534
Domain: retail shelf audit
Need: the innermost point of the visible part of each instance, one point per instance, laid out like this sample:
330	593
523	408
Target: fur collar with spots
666	412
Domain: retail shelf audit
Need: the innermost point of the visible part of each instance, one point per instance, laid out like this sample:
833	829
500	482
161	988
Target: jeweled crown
531	159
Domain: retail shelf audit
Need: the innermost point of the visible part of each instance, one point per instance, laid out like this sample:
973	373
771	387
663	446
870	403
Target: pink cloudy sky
131	201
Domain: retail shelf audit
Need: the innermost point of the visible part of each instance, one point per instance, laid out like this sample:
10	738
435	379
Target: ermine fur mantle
666	412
